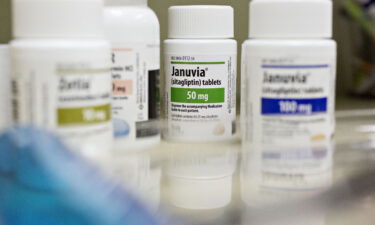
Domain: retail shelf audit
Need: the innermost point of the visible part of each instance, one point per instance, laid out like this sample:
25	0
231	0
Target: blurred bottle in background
61	71
133	30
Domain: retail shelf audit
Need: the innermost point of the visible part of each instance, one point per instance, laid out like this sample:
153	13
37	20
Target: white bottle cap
125	2
5	89
199	194
290	19
201	21
57	18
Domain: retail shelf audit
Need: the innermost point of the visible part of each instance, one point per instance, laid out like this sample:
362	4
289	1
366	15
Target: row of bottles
92	73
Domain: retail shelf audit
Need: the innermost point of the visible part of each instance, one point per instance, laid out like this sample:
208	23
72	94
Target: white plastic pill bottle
133	30
200	72
289	72
61	71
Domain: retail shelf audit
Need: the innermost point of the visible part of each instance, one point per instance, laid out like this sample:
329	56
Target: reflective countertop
327	183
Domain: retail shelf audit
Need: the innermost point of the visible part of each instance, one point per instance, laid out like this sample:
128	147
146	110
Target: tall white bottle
133	30
61	71
289	73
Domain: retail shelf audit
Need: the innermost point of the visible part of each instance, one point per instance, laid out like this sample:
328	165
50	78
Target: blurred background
353	30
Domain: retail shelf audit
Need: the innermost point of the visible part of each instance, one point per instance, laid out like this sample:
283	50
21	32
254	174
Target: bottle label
291	99
200	97
77	88
70	97
136	102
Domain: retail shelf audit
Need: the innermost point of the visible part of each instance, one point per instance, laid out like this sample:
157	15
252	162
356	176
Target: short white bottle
61	71
289	73
200	72
133	30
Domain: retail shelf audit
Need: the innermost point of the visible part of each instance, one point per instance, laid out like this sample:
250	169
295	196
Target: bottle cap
201	21
57	18
125	2
200	194
290	19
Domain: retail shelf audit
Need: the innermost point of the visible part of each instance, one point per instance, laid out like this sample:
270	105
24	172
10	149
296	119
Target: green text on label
191	95
84	115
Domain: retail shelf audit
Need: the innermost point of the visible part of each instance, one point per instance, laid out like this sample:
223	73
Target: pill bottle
289	73
133	30
61	71
200	74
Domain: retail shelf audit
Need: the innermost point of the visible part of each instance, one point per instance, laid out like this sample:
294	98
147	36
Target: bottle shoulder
289	42
198	46
60	43
200	41
131	24
297	47
142	16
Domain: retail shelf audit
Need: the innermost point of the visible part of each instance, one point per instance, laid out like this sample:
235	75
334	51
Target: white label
72	98
291	99
200	97
135	73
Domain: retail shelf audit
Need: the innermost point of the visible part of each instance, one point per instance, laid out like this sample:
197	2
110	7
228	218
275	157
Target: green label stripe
84	115
197	63
191	95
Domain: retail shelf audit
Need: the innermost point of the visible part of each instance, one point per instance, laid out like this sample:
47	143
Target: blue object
43	183
121	128
271	106
319	66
